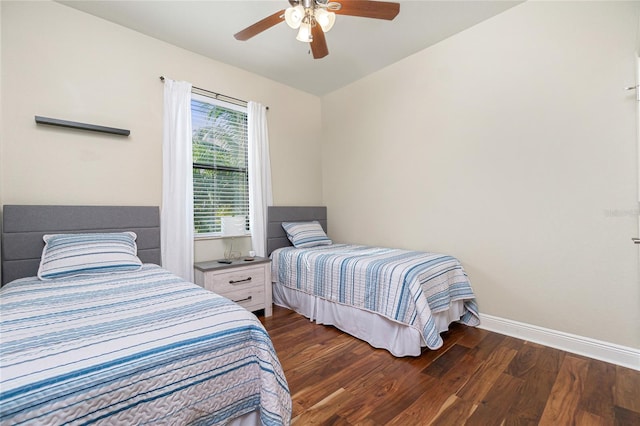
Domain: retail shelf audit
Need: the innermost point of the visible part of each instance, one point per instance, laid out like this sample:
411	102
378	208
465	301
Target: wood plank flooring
476	378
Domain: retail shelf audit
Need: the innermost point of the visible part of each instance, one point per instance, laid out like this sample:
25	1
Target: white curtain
259	175
177	181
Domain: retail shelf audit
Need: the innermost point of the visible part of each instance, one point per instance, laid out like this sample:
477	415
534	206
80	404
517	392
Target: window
220	169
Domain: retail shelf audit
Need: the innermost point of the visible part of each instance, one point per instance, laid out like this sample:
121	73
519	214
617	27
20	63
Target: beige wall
62	63
512	146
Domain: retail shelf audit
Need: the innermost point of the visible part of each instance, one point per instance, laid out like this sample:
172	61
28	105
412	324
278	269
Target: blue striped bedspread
403	286
141	347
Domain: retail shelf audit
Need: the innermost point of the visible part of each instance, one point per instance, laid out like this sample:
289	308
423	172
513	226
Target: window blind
220	168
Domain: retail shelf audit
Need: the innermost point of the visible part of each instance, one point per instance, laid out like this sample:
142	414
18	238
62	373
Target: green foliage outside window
220	172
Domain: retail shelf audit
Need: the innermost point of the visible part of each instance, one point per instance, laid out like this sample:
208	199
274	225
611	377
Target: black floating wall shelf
81	126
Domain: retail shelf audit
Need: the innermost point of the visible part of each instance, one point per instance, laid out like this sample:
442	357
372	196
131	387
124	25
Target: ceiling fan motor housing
309	4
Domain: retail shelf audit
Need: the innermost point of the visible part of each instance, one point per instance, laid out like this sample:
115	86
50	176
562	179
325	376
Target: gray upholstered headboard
276	237
23	227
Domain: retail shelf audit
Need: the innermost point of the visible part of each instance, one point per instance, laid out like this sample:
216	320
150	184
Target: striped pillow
68	255
306	234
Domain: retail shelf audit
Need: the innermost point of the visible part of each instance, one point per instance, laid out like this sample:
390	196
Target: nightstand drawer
235	280
249	298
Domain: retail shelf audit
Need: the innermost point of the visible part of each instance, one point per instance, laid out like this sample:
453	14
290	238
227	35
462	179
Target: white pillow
306	234
68	255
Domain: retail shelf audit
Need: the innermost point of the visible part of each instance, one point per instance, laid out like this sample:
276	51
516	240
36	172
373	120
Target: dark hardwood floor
476	378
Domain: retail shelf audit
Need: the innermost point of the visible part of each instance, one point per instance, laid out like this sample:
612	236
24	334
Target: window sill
217	237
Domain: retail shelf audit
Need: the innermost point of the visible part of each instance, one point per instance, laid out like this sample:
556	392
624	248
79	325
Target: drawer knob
243	300
239	281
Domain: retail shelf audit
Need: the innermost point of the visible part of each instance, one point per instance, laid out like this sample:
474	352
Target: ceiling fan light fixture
293	16
325	19
304	34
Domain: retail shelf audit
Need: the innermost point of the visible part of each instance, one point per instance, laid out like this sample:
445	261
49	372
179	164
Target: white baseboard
603	351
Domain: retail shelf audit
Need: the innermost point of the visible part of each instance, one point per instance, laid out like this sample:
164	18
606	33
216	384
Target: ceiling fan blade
369	9
260	26
319	43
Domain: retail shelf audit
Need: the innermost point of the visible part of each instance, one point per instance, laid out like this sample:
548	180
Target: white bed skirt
380	332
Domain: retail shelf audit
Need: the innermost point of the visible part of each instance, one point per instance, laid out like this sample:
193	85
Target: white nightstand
248	283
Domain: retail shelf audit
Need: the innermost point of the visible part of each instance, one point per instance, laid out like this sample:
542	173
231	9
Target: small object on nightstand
228	262
248	259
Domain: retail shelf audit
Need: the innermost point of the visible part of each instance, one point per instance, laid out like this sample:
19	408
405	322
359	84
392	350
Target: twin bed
136	346
130	343
398	300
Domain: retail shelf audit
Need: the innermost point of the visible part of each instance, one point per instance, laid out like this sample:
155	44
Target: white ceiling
357	46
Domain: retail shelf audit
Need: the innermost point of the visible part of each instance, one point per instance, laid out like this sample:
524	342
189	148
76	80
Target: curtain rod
233	100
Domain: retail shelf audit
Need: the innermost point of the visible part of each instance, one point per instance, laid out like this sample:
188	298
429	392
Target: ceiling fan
313	18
